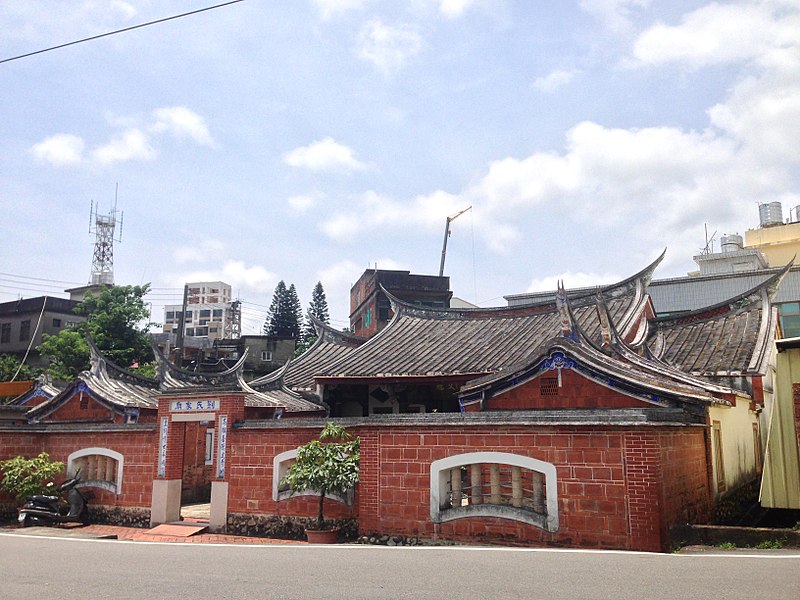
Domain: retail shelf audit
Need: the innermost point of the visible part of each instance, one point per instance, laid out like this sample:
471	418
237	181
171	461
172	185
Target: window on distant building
205	313
56	322
5	333
266	355
199	331
789	313
169	315
367	318
25	331
217	312
188	318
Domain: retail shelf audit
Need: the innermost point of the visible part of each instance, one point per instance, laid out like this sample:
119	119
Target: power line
95	37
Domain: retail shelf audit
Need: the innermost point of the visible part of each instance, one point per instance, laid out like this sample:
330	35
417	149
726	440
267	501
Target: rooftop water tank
731	242
770	214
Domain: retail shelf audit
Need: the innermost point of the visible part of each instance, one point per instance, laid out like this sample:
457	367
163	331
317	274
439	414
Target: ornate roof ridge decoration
173	377
42	388
333	336
629	285
649	362
634	285
569	327
271	379
618	375
755	295
101	365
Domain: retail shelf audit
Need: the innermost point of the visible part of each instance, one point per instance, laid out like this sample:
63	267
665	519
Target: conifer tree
283	316
318	308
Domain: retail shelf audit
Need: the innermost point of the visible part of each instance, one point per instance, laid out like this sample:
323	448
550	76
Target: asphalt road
37	567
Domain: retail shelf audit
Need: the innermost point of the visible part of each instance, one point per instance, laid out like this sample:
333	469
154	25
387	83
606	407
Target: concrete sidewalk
134	534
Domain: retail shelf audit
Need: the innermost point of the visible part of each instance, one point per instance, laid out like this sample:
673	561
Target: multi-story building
208	310
740	266
24	322
370	309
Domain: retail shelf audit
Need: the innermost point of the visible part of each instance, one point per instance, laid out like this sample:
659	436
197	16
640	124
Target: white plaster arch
117	484
280	465
440	470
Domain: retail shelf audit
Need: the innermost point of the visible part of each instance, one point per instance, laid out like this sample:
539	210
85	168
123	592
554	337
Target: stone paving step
178	529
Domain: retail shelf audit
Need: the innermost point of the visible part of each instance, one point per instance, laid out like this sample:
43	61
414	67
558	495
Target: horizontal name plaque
201	405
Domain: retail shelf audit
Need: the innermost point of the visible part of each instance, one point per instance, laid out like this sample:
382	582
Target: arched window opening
97	467
281	491
494	484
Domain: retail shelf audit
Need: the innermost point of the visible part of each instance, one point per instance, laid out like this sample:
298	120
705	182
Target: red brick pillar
369	483
642	482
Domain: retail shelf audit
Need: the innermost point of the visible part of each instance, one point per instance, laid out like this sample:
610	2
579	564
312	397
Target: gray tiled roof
422	342
732	337
330	347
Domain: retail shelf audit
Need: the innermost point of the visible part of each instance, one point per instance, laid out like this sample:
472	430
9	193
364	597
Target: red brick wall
137	447
617	487
94	411
576	391
249	466
686	496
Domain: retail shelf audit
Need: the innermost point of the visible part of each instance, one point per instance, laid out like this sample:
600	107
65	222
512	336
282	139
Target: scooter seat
44	499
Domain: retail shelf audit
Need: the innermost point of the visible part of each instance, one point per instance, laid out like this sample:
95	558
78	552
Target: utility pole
182	326
447	235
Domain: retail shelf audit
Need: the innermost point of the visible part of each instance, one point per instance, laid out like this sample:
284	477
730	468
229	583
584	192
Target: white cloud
303	203
572	280
552	81
254	279
330	8
123	8
722	33
133	144
455	8
324	155
61	149
615	14
182	122
388	47
207	250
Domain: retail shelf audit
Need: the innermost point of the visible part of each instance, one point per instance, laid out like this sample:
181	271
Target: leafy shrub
23	477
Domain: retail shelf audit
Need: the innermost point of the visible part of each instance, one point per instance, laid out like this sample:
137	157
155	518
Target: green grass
770	545
726	546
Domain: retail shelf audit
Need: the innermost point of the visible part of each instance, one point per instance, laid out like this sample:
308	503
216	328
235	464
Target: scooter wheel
33	521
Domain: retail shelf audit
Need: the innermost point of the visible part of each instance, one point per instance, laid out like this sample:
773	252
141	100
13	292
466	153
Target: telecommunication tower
233	321
103	227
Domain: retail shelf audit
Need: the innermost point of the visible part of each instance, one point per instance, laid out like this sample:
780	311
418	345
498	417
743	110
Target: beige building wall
739	445
780	484
779	243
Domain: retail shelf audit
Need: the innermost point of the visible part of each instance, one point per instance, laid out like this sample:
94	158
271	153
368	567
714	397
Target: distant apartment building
370	309
208	311
23	323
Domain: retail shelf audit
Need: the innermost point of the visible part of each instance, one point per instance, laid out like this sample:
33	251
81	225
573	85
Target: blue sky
307	140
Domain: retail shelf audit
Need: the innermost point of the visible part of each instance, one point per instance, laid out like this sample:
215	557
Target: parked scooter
51	510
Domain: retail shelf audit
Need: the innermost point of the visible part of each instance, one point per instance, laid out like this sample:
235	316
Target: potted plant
328	465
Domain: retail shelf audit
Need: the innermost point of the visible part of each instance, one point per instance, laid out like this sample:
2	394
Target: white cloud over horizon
388	47
133	143
325	155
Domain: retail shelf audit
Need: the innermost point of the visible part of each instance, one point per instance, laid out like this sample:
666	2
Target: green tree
23	477
283	317
318	308
327	465
11	366
113	320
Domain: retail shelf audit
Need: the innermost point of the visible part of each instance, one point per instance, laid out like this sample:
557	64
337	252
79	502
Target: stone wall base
118	515
285	528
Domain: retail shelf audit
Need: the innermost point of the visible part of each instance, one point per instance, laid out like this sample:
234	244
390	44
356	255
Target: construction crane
450	219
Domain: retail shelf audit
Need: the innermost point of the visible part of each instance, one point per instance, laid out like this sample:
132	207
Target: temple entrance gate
182	418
